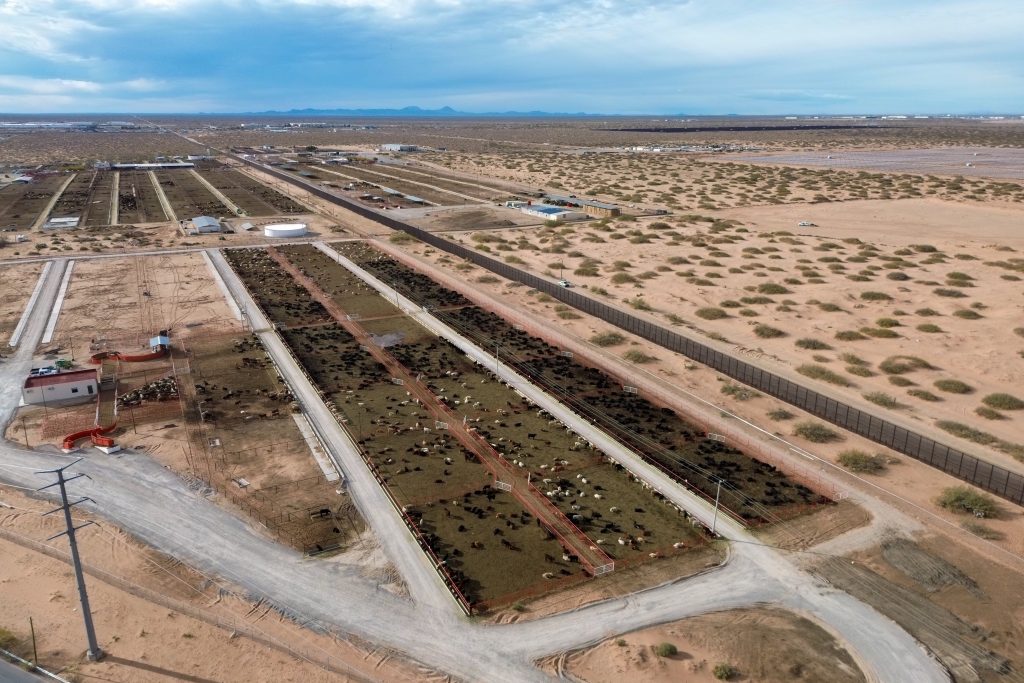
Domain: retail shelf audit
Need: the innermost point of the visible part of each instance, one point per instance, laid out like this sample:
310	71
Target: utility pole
94	652
718	494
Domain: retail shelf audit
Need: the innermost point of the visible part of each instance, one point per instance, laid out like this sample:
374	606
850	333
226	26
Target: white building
551	213
60	386
205	224
397	147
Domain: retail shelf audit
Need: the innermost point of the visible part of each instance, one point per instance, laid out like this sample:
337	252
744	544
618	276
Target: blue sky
601	56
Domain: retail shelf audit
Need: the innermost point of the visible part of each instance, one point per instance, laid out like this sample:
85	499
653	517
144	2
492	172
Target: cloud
597	55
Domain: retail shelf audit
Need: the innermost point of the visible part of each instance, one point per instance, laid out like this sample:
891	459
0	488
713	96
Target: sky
596	56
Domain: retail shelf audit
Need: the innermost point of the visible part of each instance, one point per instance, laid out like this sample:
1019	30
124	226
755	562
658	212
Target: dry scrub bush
861	462
822	373
817	432
962	499
768	332
953	386
1003	402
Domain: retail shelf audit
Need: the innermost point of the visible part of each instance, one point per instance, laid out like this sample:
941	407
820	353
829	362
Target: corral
253	197
21	204
754	490
137	200
431	466
187	195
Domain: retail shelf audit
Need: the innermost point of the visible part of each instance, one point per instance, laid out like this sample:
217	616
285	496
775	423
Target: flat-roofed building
59	386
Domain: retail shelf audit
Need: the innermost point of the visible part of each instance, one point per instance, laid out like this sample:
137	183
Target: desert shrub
772	288
949	293
966	432
861	462
622	278
852	359
956	275
929	327
639	304
711	313
860	371
924	395
824	374
887	322
729	303
756	300
849	335
901	365
813	344
965	500
666	650
1019	331
586	271
988	413
927	312
898	275
880	332
829	307
953	386
968	314
739	391
768	332
882	399
724	672
780	414
607	339
816	432
1003	402
488	279
569	315
8	641
639	357
748	312
982	531
875	296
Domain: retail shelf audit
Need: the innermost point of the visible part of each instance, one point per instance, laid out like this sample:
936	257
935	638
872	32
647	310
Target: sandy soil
120	299
963	607
762	645
17	283
147	641
696	391
751	277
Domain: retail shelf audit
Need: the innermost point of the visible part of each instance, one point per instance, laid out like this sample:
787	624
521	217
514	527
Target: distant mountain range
415	112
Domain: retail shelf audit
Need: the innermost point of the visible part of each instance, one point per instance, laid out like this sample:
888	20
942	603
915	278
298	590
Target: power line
94	652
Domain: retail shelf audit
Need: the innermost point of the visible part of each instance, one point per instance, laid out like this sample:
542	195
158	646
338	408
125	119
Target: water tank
284	230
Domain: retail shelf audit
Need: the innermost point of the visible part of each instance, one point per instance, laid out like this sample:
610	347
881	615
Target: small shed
205	224
59	386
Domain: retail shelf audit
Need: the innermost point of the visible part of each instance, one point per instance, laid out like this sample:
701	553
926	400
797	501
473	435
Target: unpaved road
152	503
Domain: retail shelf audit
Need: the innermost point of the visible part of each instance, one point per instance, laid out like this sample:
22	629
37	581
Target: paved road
9	673
152	503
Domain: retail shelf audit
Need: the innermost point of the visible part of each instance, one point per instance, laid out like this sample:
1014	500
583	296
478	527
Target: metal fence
993	478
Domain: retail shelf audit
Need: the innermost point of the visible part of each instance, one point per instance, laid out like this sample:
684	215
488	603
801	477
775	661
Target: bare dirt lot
147	641
760	645
979	162
17	283
962	606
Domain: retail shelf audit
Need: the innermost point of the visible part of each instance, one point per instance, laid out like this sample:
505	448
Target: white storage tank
284	230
